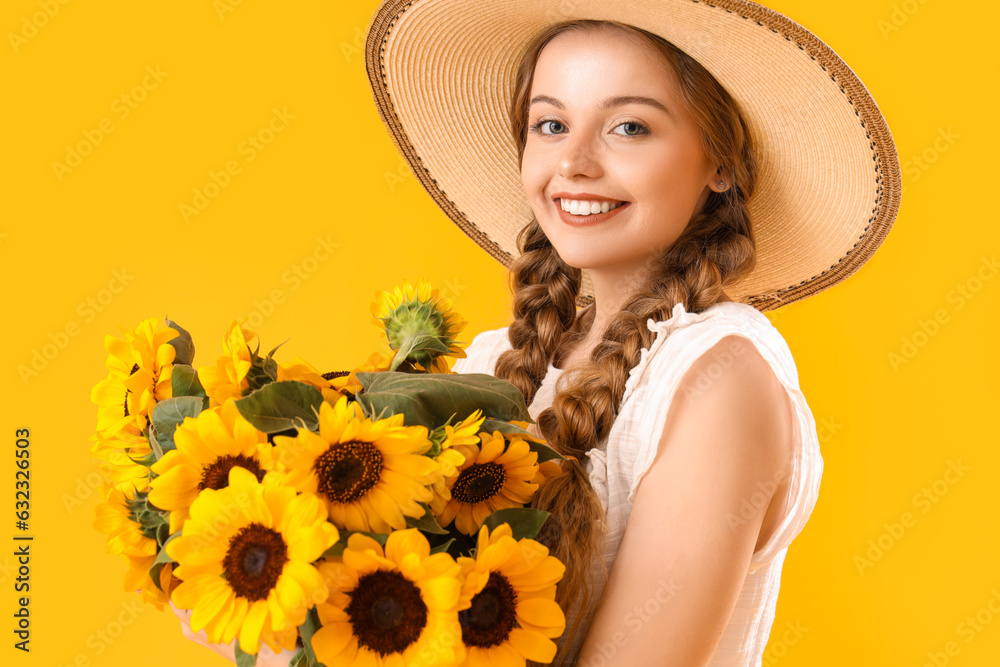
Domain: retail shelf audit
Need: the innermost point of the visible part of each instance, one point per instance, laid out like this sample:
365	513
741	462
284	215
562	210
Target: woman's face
583	144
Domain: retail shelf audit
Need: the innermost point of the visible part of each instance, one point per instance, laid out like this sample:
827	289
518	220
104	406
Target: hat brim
828	190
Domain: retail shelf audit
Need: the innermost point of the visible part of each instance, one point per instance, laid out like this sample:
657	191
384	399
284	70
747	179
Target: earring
722	185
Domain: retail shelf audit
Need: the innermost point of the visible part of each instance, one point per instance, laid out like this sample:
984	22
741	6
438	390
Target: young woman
672	169
638	168
666	171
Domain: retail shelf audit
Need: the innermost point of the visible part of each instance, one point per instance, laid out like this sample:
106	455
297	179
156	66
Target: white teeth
581	207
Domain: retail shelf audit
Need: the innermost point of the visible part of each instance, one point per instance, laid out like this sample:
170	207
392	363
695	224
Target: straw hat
829	181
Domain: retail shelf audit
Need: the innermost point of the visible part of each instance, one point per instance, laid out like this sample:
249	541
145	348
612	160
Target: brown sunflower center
256	556
348	470
478	483
135	367
335	374
216	476
386	612
490	619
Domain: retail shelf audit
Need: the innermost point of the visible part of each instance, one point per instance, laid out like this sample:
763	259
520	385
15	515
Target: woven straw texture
441	73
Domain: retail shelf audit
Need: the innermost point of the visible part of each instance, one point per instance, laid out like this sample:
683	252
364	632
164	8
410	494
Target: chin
584	261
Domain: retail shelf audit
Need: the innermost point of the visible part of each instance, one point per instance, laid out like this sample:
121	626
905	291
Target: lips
588	220
587	206
581	196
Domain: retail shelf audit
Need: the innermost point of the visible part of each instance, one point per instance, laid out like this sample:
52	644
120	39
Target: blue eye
536	127
642	129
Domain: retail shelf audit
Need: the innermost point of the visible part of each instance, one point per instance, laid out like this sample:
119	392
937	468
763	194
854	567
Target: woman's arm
683	560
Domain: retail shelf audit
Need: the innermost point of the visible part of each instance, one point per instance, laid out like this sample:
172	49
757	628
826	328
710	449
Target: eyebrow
617	101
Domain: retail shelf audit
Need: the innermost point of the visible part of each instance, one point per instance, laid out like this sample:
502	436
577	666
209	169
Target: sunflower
490	479
302	371
546	469
508	609
245	560
117	518
138	578
410	311
395	607
139	369
116	457
455	447
208	446
369	474
228	378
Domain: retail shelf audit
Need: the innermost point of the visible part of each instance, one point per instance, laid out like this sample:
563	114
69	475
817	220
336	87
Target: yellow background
888	430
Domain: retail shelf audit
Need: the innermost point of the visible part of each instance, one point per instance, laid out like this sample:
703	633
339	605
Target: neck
593	319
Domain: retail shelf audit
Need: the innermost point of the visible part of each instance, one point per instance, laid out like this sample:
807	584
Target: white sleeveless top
618	464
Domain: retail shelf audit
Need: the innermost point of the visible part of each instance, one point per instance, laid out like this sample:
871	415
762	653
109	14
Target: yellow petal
402	542
491	449
516	450
441	593
252	625
541	612
532	645
240	609
212	598
330	641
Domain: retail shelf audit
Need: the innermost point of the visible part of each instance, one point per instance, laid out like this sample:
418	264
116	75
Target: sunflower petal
252	626
330	641
541	612
532	645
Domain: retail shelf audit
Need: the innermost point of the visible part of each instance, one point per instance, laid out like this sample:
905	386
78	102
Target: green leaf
419	348
299	659
280	406
430	399
525	522
258	377
145	460
161	560
162	534
337	550
183	345
307	630
244	659
162	556
171	412
184	382
427	523
545	453
154	574
443	547
263	370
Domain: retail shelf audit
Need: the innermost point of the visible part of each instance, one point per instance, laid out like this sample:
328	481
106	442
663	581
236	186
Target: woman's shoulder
680	342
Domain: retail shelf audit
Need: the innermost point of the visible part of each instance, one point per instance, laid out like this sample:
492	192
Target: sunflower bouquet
376	516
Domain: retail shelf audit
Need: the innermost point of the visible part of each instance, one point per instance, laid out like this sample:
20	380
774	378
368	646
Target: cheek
532	176
664	179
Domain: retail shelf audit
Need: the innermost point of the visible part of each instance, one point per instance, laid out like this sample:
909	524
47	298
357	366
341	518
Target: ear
721	180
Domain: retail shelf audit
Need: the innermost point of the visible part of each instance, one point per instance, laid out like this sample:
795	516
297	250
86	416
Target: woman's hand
265	658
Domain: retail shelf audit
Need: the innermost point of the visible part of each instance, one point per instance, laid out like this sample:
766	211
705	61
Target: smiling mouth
583	208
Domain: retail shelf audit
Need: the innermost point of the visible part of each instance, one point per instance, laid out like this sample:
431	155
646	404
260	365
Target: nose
579	157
